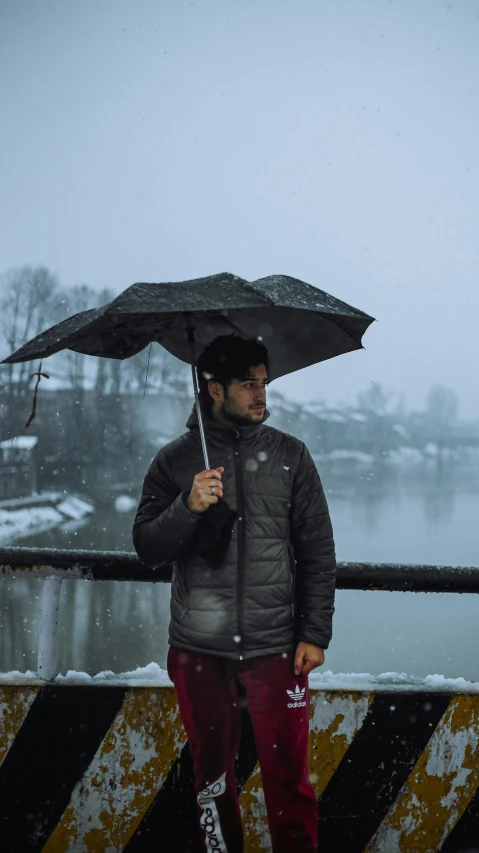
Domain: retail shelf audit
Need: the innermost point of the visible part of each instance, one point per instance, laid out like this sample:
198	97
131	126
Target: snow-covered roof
335	455
20	442
333	417
18	519
405	454
75	507
26	522
314	407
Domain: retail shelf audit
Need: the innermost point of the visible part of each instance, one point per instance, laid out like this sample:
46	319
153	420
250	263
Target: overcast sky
333	140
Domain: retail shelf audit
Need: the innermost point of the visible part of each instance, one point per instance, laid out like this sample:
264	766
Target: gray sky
333	140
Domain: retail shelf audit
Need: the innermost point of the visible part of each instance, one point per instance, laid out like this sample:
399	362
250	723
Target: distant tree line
98	425
377	426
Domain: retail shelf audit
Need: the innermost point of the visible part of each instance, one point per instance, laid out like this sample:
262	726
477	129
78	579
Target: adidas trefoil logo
297	696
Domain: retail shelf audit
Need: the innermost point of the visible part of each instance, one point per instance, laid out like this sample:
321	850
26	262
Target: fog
336	142
333	141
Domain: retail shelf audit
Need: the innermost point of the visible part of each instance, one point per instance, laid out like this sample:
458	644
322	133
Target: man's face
245	399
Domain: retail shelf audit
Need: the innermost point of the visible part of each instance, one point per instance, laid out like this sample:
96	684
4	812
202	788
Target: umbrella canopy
298	323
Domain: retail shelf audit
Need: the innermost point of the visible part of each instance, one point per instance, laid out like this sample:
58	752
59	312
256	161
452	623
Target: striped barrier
100	769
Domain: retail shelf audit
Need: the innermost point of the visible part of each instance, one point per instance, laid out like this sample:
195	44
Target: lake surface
415	516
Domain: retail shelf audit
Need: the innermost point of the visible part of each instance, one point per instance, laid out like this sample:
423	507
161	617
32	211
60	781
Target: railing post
48	629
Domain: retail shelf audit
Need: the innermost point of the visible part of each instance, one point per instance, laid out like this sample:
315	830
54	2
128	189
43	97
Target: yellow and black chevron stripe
86	769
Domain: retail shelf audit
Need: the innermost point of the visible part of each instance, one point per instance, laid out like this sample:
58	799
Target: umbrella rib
233	326
346	332
321	313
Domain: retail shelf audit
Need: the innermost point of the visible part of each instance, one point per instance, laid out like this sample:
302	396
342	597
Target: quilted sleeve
164	525
313	543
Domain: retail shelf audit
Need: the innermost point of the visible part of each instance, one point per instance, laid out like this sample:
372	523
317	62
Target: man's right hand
200	496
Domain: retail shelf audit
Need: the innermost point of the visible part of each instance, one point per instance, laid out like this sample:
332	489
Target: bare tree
78	298
442	406
374	399
442	410
29	303
382	437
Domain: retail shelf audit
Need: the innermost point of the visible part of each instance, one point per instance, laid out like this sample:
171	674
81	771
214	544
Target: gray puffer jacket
276	584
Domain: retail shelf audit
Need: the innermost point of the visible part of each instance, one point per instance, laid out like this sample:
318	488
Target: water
421	516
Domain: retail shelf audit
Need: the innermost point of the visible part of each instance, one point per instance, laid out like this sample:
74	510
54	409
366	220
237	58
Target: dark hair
228	357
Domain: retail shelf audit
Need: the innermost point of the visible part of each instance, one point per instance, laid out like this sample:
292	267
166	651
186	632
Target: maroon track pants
278	704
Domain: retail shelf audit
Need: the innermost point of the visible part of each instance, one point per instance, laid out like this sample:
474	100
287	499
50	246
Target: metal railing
54	566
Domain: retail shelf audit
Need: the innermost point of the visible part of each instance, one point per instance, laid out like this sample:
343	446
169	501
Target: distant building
18	467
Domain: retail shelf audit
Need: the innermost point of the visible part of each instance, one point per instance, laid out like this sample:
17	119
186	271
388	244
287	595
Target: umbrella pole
196	389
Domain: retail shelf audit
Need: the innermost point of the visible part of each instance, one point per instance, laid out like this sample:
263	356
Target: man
252	629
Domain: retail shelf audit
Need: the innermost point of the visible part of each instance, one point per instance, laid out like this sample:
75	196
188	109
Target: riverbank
40	513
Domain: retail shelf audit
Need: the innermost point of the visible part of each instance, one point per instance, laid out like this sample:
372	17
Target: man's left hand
307	657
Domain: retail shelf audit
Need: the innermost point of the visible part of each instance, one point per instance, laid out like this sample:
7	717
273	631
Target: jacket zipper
241	543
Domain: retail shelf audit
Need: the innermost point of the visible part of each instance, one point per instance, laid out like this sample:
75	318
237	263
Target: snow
39	497
335	455
75	507
17	677
436	682
18	518
334	417
387	682
73	677
124	503
314	407
405	454
153	675
19	442
73	524
25	522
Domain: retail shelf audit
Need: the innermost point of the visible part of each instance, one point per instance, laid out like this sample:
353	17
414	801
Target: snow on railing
152	675
55	566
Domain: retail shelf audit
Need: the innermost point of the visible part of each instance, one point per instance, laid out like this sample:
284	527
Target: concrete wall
107	768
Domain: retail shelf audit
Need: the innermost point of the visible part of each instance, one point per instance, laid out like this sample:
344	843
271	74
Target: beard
229	413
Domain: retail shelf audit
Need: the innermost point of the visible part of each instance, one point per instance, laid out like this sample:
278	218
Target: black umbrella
299	324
